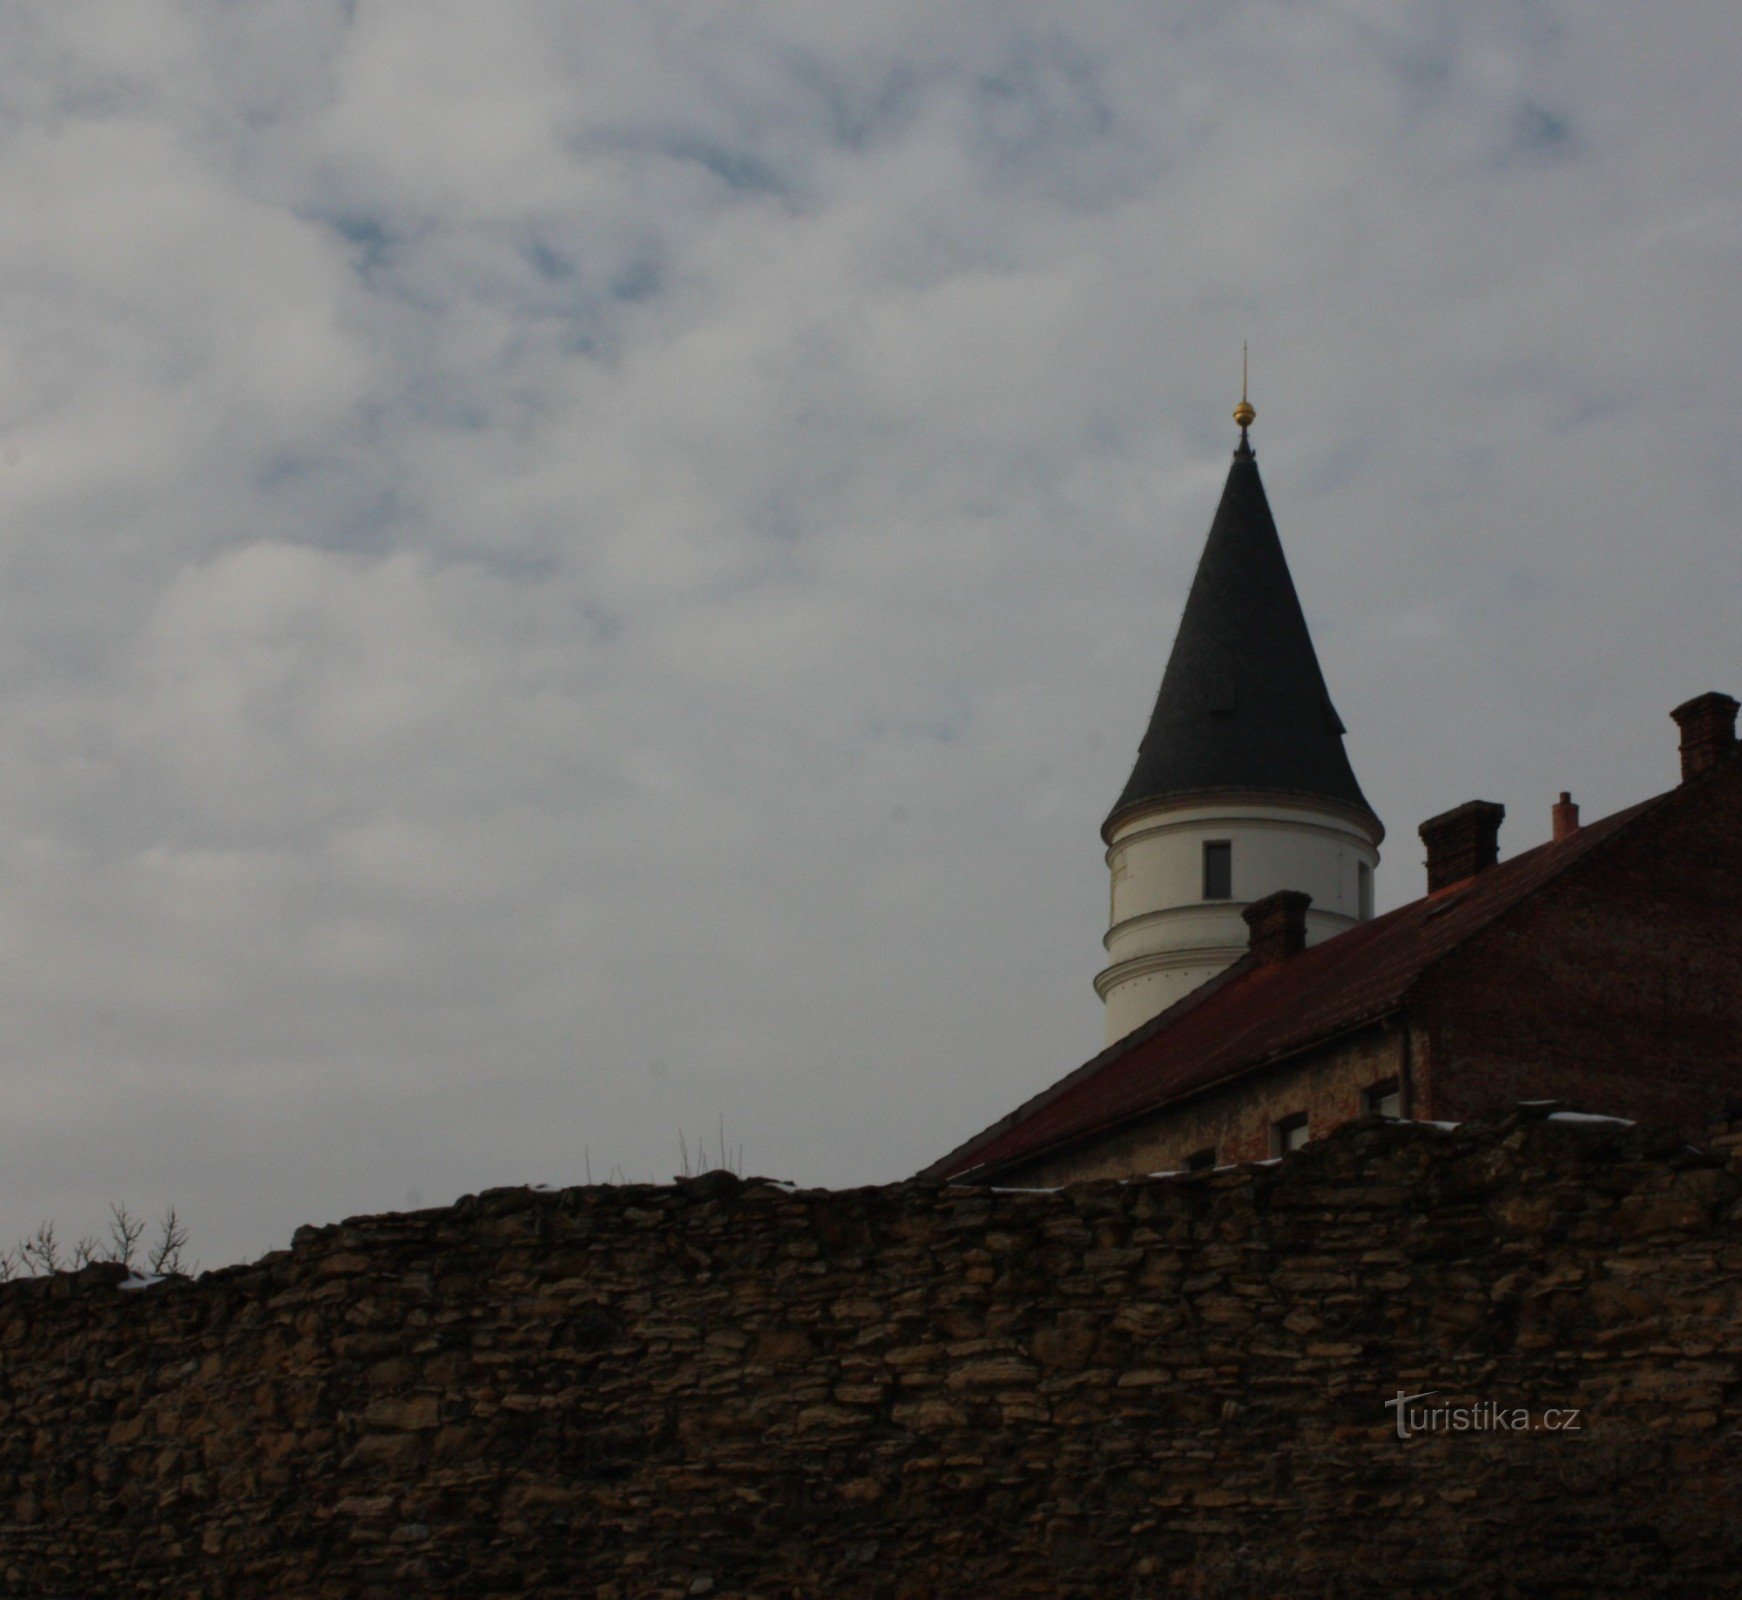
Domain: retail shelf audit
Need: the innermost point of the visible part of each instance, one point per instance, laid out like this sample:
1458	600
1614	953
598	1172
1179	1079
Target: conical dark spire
1243	704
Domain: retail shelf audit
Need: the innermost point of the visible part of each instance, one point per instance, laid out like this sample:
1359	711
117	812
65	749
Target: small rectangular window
1384	1099
1364	891
1288	1134
1201	1160
1218	869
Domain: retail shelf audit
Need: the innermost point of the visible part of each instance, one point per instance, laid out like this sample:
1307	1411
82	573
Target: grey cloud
540	540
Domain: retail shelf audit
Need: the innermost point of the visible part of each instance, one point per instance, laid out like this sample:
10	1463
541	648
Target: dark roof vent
1708	725
1462	842
1278	924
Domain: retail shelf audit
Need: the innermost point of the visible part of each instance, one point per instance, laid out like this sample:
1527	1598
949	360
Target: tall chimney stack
1462	842
1566	816
1278	924
1708	725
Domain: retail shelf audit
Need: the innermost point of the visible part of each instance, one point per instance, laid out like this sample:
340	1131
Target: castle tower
1242	786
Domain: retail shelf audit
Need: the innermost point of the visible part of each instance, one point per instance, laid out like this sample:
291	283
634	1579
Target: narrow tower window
1218	870
1364	890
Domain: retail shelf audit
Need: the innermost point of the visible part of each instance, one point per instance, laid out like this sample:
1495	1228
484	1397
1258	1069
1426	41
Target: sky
577	576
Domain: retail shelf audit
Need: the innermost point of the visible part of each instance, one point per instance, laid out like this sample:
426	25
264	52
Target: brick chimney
1462	842
1278	924
1566	816
1708	725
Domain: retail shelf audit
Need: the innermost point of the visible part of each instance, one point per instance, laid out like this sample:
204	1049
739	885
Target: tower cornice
1244	800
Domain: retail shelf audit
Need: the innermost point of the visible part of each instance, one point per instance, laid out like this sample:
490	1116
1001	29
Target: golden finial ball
1244	414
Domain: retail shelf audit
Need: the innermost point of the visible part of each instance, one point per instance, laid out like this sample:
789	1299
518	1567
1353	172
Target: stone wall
1167	1387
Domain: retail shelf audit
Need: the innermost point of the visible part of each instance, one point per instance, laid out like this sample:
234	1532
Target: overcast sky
573	571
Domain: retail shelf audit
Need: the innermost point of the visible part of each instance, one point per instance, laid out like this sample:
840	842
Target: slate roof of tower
1249	1016
1243	705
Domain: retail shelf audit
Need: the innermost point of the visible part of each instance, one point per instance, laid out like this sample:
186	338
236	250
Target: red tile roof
1249	1016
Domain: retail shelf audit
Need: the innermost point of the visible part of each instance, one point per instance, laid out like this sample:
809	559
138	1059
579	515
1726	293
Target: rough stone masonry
1173	1386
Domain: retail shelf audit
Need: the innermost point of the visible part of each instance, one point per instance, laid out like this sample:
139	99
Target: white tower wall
1164	938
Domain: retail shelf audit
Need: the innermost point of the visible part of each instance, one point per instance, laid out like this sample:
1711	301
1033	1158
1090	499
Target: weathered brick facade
1170	1387
1617	986
1236	1122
